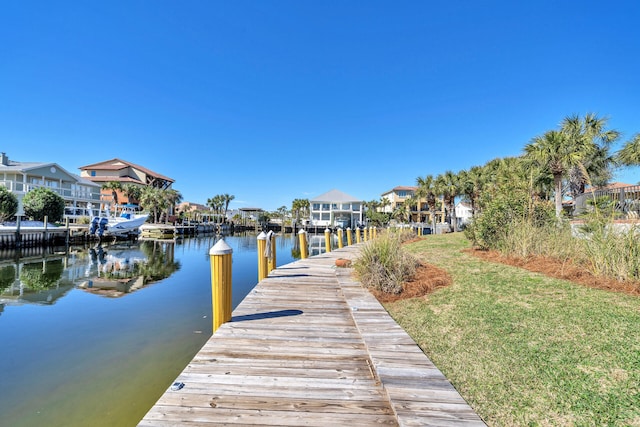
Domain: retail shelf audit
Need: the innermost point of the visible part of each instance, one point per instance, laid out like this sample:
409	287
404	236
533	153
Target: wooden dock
310	346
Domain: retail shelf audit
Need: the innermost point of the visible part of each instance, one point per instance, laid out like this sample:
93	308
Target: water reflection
117	271
107	270
74	357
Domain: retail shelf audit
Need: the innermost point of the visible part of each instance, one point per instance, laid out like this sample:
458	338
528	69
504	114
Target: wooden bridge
310	346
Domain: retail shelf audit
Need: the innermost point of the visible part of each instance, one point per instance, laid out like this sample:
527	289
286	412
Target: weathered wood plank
310	346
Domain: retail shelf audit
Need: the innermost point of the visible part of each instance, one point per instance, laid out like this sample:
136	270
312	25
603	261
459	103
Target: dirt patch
426	280
560	270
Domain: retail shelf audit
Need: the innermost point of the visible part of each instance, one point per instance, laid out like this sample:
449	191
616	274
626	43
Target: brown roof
401	188
614	185
113	165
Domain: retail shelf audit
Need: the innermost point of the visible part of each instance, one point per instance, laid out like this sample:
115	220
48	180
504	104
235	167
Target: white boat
127	224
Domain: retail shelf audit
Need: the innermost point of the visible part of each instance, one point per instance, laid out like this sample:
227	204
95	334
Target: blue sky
276	100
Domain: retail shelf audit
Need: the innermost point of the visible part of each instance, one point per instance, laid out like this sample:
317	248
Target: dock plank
310	346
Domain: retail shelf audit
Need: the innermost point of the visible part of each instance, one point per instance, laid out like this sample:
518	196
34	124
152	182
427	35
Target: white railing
65	193
626	199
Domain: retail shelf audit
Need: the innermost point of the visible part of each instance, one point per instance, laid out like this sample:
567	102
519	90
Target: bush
505	215
8	204
384	266
41	202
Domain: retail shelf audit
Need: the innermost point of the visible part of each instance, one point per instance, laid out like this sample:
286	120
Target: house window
325	206
346	206
334	206
355	207
316	206
93	173
325	216
404	193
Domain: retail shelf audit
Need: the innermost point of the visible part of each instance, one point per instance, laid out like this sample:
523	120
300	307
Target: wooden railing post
271	251
221	260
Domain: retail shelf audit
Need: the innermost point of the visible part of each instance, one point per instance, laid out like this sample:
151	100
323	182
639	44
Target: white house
336	209
463	213
80	195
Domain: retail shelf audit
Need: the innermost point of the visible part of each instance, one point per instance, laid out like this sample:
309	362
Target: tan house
124	172
80	195
399	196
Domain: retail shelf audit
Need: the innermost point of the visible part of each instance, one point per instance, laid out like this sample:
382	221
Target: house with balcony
81	196
399	196
336	209
123	172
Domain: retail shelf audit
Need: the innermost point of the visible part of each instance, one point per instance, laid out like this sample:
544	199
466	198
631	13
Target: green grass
524	349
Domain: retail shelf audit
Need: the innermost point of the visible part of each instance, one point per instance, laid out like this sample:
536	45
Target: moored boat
125	225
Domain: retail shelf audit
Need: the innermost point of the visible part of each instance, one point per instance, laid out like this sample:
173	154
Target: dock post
340	244
18	242
45	238
271	251
221	259
349	237
327	240
262	259
304	250
358	236
66	238
375	232
366	233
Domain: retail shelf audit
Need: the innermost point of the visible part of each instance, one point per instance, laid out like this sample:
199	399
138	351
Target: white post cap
220	248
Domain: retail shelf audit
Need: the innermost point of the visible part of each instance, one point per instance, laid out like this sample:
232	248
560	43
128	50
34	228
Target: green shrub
383	265
8	204
507	216
36	277
41	202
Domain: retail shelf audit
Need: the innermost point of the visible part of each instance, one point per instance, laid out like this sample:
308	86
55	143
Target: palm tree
629	154
401	211
301	208
172	198
216	203
589	134
556	152
153	200
114	186
282	213
426	190
447	186
226	198
132	192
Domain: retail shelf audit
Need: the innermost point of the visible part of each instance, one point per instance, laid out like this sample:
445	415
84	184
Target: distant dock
310	346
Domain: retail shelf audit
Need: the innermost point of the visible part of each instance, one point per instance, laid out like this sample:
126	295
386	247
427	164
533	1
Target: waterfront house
463	214
124	172
336	209
399	196
80	195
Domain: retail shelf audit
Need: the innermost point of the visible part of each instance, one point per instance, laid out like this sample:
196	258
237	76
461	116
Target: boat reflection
109	270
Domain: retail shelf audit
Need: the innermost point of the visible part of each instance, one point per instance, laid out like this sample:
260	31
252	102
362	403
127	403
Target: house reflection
110	270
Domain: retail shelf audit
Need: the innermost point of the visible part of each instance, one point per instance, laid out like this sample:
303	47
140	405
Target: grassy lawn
525	349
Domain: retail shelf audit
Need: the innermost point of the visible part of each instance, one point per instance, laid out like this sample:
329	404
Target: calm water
95	336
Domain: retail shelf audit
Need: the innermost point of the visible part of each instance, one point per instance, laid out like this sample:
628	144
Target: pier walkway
310	346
